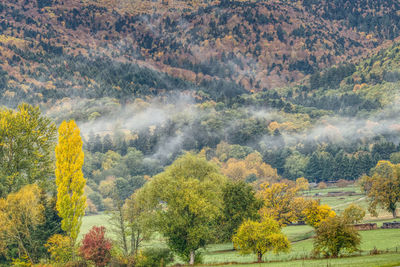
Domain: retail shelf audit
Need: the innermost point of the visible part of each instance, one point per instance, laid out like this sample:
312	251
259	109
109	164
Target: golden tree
69	179
315	213
383	187
20	215
260	237
280	202
302	184
353	213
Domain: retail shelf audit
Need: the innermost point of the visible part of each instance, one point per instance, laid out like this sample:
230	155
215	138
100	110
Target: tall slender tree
69	179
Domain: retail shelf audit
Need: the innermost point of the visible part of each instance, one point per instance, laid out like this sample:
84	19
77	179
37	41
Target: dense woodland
52	49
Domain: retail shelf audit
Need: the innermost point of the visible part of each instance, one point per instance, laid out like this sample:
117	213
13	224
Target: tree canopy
260	237
383	187
187	201
334	235
27	140
69	179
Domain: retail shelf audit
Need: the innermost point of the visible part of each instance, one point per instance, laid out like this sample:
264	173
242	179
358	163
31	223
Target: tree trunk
259	256
191	262
394	213
123	230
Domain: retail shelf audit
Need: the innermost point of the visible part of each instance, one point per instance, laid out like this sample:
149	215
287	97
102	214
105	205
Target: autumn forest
171	132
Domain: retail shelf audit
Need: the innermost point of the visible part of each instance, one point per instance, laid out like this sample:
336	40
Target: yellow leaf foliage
260	237
20	214
302	184
240	170
279	202
383	187
59	247
315	213
69	179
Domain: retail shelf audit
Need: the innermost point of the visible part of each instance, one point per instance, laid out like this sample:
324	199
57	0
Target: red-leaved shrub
96	247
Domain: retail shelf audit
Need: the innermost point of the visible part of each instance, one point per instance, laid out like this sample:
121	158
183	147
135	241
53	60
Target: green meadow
387	241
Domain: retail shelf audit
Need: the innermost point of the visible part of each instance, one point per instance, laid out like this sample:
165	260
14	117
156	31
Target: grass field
382	260
93	220
301	238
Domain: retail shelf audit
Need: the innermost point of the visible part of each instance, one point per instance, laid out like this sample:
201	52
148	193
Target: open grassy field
93	220
382	260
381	239
339	203
301	238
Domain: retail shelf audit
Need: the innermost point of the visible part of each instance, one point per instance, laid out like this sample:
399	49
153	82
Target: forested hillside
56	49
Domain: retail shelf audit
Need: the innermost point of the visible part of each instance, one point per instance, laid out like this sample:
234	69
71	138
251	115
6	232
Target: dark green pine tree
326	163
313	170
339	166
97	146
91	142
51	226
107	143
123	148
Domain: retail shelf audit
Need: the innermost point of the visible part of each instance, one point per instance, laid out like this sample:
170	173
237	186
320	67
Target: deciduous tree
353	214
239	203
315	213
20	215
187	200
260	237
96	247
335	235
27	140
138	215
59	247
69	179
302	184
383	187
279	201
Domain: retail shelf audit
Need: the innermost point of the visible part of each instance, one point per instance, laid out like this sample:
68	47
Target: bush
154	257
343	183
60	249
95	247
322	185
21	262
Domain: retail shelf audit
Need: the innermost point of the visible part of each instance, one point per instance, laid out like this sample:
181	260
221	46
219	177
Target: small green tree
335	235
129	220
260	237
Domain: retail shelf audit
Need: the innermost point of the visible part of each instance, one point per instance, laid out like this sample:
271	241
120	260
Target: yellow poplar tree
69	179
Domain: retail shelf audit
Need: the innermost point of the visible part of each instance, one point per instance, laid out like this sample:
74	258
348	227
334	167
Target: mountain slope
54	49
